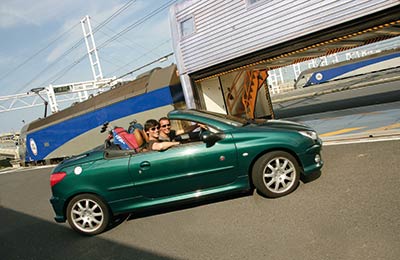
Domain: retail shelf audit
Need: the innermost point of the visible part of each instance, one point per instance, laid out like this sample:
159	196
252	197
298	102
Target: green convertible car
233	154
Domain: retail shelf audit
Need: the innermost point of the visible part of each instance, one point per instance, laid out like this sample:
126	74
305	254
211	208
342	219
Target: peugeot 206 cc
232	154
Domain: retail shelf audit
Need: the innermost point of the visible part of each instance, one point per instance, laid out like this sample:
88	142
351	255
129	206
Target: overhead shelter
225	48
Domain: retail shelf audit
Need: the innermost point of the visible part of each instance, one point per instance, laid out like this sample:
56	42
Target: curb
362	137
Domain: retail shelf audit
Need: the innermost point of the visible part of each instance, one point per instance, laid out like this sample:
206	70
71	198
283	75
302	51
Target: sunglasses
155	128
166	125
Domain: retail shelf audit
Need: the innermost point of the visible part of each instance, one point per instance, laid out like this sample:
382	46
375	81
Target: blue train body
78	129
348	69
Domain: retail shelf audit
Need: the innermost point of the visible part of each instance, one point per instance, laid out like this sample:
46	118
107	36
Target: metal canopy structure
370	29
77	91
67	93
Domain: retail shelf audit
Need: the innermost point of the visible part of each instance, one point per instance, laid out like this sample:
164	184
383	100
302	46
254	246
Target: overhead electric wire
109	61
125	38
128	63
64	71
118	35
52	63
130	47
141	67
8	73
120	10
137	23
69	67
109	36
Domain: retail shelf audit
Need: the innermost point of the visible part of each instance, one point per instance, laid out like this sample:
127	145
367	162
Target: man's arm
190	129
161	146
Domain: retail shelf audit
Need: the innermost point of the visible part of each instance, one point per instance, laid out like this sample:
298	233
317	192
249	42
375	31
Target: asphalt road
351	211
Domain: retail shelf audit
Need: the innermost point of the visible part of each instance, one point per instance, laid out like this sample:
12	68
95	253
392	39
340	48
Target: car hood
287	125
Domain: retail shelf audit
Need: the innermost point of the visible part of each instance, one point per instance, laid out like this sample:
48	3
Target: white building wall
227	29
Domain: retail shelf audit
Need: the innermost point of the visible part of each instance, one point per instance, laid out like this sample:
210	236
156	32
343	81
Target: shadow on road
311	177
26	237
192	203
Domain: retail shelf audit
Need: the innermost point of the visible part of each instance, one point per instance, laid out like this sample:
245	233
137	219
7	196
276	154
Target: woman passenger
152	129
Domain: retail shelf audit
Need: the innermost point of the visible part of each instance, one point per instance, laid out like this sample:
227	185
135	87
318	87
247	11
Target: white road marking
22	169
362	140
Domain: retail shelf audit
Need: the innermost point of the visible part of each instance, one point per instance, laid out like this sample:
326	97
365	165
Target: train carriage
77	129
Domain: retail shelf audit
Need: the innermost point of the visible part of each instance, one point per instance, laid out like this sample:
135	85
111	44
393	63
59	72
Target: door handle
145	164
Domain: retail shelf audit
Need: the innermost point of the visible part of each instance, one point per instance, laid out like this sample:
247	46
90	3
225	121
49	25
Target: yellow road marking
341	131
383	128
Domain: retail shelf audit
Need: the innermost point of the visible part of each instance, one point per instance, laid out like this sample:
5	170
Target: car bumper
311	160
58	207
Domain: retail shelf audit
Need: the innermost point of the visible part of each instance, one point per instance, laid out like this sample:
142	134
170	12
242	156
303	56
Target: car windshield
228	119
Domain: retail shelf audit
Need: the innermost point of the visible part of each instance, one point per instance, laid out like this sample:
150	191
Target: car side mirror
210	138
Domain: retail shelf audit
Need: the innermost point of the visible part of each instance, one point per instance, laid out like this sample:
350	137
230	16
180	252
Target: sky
42	43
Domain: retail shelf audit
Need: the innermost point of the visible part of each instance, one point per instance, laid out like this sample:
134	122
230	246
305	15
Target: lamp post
37	92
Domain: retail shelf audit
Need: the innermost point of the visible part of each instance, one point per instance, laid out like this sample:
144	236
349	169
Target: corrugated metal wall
227	29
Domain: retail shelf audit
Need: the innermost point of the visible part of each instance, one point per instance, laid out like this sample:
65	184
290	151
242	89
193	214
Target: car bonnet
287	125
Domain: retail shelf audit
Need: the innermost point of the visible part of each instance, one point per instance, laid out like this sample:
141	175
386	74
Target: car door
111	176
185	168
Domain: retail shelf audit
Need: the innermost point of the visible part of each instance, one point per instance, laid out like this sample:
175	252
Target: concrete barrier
10	153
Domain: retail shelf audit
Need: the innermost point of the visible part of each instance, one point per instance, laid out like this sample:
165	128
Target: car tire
276	174
88	214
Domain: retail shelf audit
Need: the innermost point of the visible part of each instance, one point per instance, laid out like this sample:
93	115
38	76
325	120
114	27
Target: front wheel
276	174
88	214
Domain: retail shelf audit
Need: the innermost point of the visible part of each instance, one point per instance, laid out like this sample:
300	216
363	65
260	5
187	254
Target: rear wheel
88	214
276	174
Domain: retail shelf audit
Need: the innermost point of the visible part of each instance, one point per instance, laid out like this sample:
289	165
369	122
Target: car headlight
310	134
